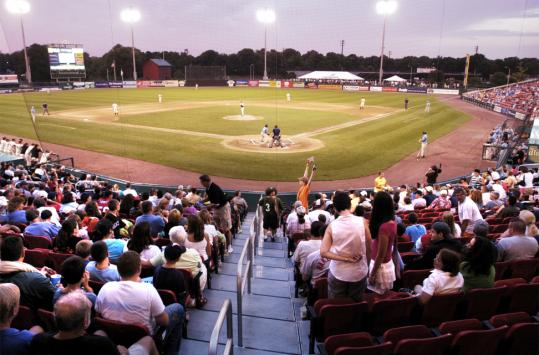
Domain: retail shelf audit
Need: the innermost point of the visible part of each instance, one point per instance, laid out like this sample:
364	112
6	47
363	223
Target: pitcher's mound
289	144
244	118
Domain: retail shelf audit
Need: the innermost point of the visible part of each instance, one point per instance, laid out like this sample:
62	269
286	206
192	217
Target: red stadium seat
56	260
522	298
521	339
477	342
167	296
36	257
432	346
33	242
96	285
25	319
405	246
121	333
440	309
456	326
482	303
510	319
391	312
46	318
381	349
411	278
510	282
525	268
502	269
334	342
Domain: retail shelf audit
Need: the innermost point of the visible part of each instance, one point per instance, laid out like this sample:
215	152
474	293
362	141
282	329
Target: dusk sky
501	28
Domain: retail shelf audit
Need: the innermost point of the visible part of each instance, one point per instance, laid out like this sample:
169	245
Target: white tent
330	75
395	78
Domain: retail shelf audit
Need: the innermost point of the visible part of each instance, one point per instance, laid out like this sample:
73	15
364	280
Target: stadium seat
502	270
521	339
162	242
25	319
477	342
46	319
36	257
33	242
440	309
510	282
525	268
510	319
456	326
147	271
334	342
121	333
405	246
432	346
522	298
96	285
482	303
381	349
392	312
409	256
395	335
56	260
167	296
410	278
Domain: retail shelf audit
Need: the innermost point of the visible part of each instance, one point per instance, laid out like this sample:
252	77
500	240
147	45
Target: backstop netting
205	75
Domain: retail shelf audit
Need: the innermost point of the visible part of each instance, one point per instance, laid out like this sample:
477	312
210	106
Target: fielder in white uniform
160	98
362	103
33	113
424	141
115	109
264	133
427	106
242	108
288	97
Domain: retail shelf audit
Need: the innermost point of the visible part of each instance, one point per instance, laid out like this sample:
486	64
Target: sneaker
230	250
303	311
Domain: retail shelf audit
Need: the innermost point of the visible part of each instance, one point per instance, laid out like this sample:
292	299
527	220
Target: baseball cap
443	192
300	210
428	188
363	193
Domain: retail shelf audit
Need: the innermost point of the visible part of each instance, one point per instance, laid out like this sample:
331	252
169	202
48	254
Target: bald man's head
72	312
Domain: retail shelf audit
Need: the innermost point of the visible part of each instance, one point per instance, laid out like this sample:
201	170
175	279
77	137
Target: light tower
21	7
131	16
385	8
267	17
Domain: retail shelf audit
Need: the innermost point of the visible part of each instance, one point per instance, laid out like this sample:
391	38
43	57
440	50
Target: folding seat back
409	256
523	298
96	285
510	319
440	309
162	242
510	282
457	326
46	318
341	318
147	271
410	278
477	342
482	303
25	319
391	312
405	246
167	296
432	346
525	268
36	257
395	335
380	349
522	339
121	333
56	260
321	287
32	242
502	270
359	339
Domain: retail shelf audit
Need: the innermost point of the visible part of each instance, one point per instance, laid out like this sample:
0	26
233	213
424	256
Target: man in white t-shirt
468	211
129	191
131	301
362	104
317	211
306	247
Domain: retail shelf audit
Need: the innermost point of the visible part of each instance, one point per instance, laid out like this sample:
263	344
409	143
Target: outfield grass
351	152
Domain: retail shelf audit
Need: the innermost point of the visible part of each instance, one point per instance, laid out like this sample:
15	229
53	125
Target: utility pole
342	53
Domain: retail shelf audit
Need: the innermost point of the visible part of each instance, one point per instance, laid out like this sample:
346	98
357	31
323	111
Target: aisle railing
226	312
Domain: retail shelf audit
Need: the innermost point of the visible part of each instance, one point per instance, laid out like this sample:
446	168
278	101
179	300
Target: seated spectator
209	227
319	209
104	232
129	191
40	204
83	249
40	227
134	302
299	224
15	211
168	277
468	211
72	315
445	279
414	230
406	204
35	288
92	216
157	224
477	268
429	196
448	218
74	278
127	205
306	247
13	341
175	219
509	210
494	203
197	239
529	220
142	243
441	202
419	201
440	238
68	203
67	238
516	245
113	215
190	260
100	268
401	233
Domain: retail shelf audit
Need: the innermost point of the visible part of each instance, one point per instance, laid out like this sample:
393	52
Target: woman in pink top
383	231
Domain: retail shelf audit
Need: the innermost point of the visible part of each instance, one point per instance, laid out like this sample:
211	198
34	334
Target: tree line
281	64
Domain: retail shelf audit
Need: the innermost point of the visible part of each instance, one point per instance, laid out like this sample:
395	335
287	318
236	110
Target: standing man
406	103
242	108
305	184
45	108
468	212
288	98
160	98
423	150
115	109
276	137
264	133
380	182
221	208
362	104
427	106
33	113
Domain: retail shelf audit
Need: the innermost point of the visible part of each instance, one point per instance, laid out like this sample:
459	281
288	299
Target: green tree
498	78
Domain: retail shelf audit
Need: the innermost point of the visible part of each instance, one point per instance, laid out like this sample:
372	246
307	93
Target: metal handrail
226	311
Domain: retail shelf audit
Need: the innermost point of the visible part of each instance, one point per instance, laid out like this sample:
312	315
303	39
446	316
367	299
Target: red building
157	69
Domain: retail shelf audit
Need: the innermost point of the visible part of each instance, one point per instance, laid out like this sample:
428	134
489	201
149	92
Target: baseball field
201	129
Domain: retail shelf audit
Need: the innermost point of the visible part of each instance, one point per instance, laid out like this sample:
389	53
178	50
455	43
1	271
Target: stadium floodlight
385	8
21	7
267	17
131	16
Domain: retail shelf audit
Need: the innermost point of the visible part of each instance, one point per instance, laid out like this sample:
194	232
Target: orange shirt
303	195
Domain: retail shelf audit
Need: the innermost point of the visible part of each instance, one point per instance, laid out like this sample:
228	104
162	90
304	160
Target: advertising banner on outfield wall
443	91
101	84
157	84
116	84
403	90
274	84
299	84
89	84
242	82
131	84
143	84
287	84
170	83
416	90
350	88
389	89
375	88
181	83
311	86
329	87
263	83
364	88
9	79
253	83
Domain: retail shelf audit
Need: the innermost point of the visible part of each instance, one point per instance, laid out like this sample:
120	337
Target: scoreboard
66	61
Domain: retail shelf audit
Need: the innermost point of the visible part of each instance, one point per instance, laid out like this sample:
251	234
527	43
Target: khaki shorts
222	218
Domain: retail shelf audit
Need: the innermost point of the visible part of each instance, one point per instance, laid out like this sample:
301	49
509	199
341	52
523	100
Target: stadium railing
226	312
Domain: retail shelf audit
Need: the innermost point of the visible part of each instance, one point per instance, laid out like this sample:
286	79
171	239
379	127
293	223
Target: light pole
508	75
21	7
267	17
385	8
131	16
